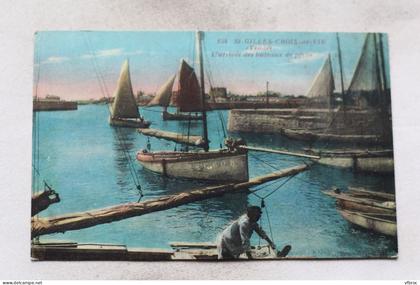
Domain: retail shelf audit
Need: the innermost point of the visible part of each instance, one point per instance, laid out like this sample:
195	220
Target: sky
81	65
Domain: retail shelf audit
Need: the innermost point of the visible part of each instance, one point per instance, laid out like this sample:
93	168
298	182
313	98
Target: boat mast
266	93
384	96
381	55
378	68
200	36
340	63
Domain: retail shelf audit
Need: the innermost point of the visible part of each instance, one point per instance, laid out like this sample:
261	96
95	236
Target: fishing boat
381	223
372	210
321	91
362	192
363	117
357	199
185	97
124	111
224	164
359	160
315	135
367	97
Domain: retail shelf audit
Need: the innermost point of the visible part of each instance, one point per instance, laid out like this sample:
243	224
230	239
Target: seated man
235	239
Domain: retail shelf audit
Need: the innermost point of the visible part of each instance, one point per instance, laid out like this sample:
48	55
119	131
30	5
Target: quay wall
54	106
285	103
275	120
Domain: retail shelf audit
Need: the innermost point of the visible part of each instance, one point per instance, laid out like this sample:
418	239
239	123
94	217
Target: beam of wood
171	136
42	200
279	151
77	221
192	245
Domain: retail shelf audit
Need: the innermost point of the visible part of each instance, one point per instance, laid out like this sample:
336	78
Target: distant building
52	98
218	92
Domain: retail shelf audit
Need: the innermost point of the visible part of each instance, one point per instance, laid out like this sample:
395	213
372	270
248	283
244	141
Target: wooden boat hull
384	224
319	136
366	202
129	122
362	192
166	116
213	165
354	206
361	164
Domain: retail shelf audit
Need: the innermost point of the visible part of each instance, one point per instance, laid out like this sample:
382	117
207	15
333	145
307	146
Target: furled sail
366	76
323	85
187	97
125	105
163	96
171	136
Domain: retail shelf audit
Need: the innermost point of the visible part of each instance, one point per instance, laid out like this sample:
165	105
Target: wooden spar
180	138
42	200
77	221
279	151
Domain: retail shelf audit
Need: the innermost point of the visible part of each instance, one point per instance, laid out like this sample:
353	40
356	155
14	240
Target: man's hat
254	209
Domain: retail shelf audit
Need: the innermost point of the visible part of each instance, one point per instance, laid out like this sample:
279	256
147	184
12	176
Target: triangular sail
125	105
163	96
323	85
366	74
187	97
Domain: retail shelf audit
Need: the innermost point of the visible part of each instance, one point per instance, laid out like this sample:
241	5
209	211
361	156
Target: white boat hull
363	164
371	222
213	165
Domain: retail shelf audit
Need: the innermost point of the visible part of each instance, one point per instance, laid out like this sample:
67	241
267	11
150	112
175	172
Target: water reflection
124	147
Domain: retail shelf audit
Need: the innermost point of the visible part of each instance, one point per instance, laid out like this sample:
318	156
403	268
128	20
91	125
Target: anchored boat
357	199
368	92
371	210
186	97
381	223
359	160
124	111
224	164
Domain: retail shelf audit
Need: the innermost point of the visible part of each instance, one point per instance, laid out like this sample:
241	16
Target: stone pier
360	122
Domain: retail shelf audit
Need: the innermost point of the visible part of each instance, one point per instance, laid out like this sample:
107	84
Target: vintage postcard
196	145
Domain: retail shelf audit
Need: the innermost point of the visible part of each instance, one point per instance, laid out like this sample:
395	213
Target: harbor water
82	157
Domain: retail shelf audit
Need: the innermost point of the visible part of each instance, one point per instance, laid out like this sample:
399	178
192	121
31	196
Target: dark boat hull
129	122
166	116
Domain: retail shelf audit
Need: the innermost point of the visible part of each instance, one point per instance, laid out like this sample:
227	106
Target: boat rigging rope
120	136
36	121
35	159
263	206
272	192
272	166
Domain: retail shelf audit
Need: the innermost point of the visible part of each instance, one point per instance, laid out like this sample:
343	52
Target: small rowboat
363	200
380	223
